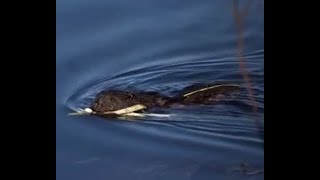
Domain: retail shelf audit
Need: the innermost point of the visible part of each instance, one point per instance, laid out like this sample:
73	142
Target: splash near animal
116	103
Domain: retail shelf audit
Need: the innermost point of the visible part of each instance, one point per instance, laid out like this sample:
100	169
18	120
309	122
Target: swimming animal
127	103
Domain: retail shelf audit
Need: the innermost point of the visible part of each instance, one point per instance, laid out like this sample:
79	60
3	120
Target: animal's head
111	101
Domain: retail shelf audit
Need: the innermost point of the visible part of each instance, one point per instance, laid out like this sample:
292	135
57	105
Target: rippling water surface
160	46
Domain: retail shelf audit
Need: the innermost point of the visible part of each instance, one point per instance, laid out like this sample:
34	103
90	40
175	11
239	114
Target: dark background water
160	46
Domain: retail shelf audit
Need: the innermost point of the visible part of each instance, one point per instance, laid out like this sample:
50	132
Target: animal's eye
130	97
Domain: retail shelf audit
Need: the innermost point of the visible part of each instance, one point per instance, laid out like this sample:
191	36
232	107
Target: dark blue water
161	46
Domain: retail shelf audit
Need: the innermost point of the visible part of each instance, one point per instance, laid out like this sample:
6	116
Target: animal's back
206	93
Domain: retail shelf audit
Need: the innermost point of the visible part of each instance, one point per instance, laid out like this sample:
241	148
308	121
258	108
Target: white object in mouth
88	110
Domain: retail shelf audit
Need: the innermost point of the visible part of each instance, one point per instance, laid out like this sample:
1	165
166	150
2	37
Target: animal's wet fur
111	100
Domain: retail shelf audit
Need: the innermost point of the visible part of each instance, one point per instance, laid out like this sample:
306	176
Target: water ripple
231	119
